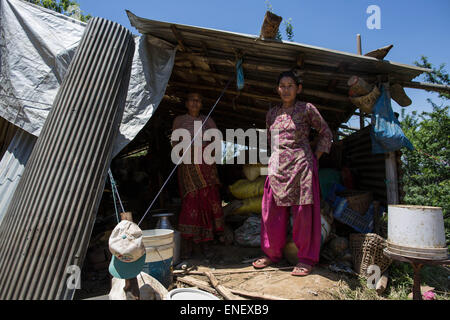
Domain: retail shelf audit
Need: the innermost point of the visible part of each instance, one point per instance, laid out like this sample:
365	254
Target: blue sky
414	27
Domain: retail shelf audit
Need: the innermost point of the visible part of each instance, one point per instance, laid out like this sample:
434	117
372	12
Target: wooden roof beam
305	91
179	38
426	86
245	94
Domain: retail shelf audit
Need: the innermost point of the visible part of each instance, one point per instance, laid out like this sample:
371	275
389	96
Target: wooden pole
426	86
358	44
225	292
359	49
391	167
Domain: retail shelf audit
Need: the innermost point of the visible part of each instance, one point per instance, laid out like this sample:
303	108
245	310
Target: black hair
194	92
291	74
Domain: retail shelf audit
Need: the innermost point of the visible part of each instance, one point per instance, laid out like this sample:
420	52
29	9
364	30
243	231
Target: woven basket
367	249
358	201
361	223
366	103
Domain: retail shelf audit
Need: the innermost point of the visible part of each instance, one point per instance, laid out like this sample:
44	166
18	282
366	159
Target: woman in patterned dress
293	182
201	215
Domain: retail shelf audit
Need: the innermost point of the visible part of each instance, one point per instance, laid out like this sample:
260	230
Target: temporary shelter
37	46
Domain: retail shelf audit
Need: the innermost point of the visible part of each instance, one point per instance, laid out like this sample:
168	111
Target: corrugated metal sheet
207	58
370	168
12	166
49	222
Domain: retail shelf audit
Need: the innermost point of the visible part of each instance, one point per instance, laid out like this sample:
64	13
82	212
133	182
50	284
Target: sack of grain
244	189
253	171
250	205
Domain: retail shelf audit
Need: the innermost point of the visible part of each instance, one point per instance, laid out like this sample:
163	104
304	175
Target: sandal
301	269
262	262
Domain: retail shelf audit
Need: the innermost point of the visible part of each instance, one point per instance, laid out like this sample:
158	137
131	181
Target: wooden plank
426	86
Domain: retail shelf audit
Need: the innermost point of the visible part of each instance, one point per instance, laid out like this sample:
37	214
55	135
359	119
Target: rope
114	192
181	158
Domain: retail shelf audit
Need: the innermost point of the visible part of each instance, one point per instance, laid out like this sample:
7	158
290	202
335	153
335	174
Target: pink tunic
291	178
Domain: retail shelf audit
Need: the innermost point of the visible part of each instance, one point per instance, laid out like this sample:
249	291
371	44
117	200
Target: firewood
221	289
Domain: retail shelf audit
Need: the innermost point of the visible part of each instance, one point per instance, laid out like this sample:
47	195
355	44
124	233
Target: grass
399	286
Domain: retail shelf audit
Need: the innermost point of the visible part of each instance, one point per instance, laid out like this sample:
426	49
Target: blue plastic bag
239	75
386	133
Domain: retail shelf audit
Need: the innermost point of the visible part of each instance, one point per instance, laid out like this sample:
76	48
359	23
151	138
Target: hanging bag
386	133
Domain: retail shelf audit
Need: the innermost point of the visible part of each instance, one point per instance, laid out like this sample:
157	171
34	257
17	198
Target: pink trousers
306	229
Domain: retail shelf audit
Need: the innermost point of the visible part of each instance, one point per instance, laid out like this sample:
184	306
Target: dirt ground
232	267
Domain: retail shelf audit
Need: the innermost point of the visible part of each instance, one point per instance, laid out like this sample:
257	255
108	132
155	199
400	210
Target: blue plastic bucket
159	254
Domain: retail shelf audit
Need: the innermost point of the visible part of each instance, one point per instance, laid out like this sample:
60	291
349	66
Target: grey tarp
36	47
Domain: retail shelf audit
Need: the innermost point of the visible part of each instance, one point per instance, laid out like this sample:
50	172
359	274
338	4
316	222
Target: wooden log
379	53
269	28
203	285
261	84
255	295
271	98
398	94
358	87
221	272
197	283
427	86
301	61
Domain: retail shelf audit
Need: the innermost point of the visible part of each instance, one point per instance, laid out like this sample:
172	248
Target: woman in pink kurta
293	183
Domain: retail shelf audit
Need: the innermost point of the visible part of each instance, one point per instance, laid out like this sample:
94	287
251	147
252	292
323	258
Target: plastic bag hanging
386	134
239	75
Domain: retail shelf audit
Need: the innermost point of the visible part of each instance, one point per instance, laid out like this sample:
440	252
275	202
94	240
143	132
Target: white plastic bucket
159	253
416	231
190	294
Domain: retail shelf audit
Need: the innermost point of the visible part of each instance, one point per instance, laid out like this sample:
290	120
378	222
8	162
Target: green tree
426	169
66	7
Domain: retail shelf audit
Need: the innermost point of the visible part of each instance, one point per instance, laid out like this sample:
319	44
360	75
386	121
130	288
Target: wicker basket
367	249
366	103
358	201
